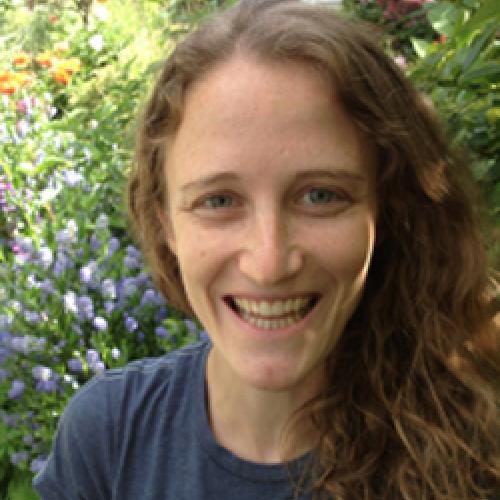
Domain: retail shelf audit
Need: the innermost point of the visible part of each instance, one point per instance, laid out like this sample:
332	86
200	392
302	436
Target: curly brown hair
416	415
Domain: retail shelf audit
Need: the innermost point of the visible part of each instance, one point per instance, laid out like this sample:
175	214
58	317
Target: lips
272	314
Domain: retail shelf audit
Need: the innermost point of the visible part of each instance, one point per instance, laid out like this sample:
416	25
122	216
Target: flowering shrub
75	298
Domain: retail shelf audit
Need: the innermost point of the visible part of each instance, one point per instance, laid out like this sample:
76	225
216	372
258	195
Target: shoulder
109	414
123	388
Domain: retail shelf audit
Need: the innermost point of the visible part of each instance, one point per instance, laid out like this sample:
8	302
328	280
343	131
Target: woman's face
271	215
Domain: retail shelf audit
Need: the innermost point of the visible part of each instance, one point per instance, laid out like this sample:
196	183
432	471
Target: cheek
347	250
199	258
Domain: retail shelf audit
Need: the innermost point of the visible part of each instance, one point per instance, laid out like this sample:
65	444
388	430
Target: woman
294	192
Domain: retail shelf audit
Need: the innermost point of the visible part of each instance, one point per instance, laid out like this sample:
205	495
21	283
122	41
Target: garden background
75	297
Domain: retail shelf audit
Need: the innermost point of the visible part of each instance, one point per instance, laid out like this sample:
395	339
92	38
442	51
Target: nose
271	253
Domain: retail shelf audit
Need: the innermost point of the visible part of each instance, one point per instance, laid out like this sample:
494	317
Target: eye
322	196
217	201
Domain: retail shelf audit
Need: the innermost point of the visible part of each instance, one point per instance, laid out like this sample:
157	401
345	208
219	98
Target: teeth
275	308
270	324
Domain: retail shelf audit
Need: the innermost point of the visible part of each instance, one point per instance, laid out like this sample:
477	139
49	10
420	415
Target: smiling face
271	214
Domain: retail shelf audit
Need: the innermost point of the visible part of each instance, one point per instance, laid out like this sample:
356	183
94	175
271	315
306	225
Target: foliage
398	21
461	75
74	298
450	49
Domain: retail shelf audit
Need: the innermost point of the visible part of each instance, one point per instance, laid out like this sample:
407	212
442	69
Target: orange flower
61	47
24	78
72	65
61	76
53	19
45	59
6	76
8	87
101	1
21	59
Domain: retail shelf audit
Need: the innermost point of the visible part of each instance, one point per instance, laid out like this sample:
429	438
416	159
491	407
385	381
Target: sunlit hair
410	412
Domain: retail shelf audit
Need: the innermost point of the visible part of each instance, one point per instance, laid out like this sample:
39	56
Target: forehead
251	86
258	114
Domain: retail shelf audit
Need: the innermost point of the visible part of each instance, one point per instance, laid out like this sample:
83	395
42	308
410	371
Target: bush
74	296
461	76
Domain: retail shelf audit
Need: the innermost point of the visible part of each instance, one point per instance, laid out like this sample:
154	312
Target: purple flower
41	373
23	105
85	307
4	335
45	257
108	288
161	331
109	306
133	252
46	386
95	244
92	356
20	344
22	127
38	464
47	286
72	178
151	297
113	246
31	316
131	262
142	279
97	367
4	354
16	389
102	222
10	420
131	324
191	325
100	323
71	302
161	314
3	374
87	272
128	287
28	439
75	365
18	457
62	263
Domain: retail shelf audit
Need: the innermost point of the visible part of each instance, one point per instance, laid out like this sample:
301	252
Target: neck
250	421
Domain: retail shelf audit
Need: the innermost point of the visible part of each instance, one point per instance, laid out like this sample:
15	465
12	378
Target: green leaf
422	47
443	17
479	43
481	70
488	12
20	488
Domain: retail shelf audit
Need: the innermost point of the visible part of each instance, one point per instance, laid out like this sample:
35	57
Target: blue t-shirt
142	433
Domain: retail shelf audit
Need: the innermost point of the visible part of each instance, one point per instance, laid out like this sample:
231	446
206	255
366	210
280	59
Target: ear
166	225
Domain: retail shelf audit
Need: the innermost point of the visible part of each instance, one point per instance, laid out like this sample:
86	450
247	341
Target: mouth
273	314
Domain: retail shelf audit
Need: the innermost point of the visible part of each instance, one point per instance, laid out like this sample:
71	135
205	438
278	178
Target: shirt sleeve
79	466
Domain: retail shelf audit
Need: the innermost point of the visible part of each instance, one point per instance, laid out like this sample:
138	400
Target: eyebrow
335	174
